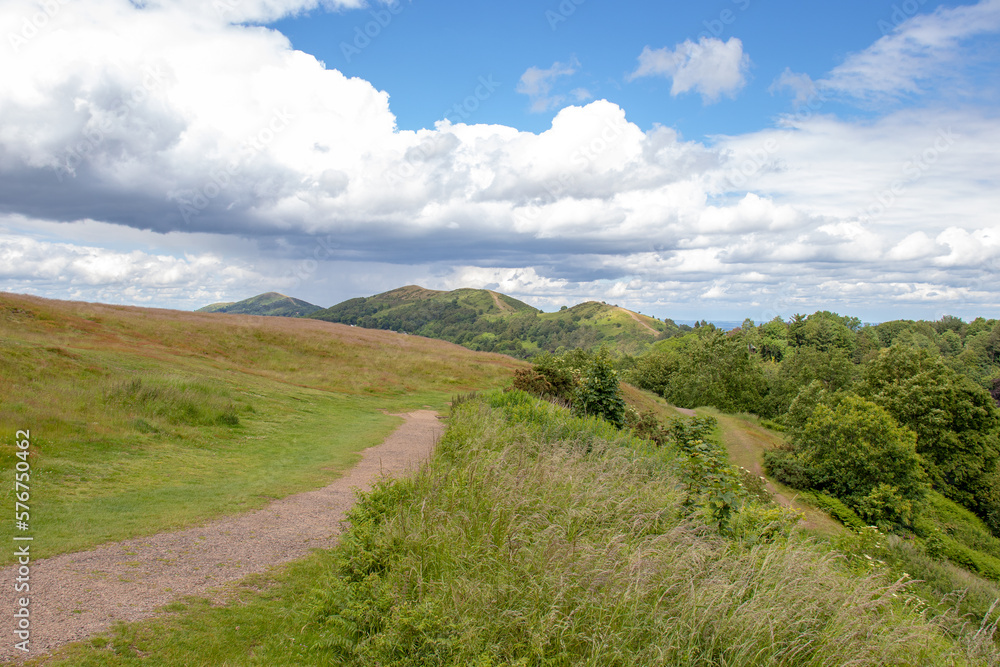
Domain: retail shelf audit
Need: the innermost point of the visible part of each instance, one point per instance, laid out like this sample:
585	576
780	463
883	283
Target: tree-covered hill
270	303
831	381
492	322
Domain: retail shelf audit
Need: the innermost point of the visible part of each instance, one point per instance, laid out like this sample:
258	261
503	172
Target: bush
531	381
859	454
646	426
886	507
762	524
784	466
600	394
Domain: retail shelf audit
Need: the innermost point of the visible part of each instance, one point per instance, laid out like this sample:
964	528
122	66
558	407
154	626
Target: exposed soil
504	307
746	444
74	596
639	320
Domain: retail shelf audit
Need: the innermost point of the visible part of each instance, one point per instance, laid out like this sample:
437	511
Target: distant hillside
270	303
492	322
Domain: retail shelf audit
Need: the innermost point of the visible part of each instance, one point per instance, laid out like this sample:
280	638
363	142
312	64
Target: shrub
886	507
784	466
531	381
600	394
859	454
762	524
646	426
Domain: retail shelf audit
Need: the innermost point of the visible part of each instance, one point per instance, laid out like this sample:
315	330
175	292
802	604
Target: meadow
147	420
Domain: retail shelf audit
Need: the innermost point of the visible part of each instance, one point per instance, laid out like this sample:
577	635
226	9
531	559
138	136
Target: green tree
824	330
857	452
719	370
600	393
956	422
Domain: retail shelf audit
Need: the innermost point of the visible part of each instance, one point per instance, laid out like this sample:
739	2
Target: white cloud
710	67
801	85
95	273
923	48
296	177
537	84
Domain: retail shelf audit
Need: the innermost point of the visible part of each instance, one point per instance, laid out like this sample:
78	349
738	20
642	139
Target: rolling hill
143	420
488	321
270	304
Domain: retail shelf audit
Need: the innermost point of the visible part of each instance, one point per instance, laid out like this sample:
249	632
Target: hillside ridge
490	321
272	304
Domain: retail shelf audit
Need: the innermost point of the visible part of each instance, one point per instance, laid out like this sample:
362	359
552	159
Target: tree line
875	414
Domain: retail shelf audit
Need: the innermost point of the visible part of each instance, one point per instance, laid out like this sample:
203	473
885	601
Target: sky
722	159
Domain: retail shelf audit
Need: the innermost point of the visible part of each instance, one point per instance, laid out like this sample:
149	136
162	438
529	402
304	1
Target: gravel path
77	595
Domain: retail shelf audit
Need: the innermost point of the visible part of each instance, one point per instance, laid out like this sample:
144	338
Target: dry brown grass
309	353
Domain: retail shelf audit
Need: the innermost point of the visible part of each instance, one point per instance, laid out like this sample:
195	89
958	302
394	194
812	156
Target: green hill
269	303
488	321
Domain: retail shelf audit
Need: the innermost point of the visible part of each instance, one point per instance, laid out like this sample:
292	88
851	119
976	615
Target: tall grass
536	538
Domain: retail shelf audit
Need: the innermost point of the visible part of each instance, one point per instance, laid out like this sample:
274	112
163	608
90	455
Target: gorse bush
534	537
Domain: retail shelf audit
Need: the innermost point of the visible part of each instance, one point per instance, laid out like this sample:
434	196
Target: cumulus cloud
227	161
711	67
537	84
99	274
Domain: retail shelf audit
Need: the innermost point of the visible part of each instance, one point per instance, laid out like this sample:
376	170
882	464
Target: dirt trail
77	595
746	444
504	307
639	320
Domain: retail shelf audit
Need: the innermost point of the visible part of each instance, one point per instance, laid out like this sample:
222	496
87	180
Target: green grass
537	538
146	420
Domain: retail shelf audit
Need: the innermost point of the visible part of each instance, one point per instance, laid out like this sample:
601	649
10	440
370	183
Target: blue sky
722	159
430	56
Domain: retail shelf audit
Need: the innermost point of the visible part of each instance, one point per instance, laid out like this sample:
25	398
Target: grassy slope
535	538
486	302
936	578
143	420
629	332
626	331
